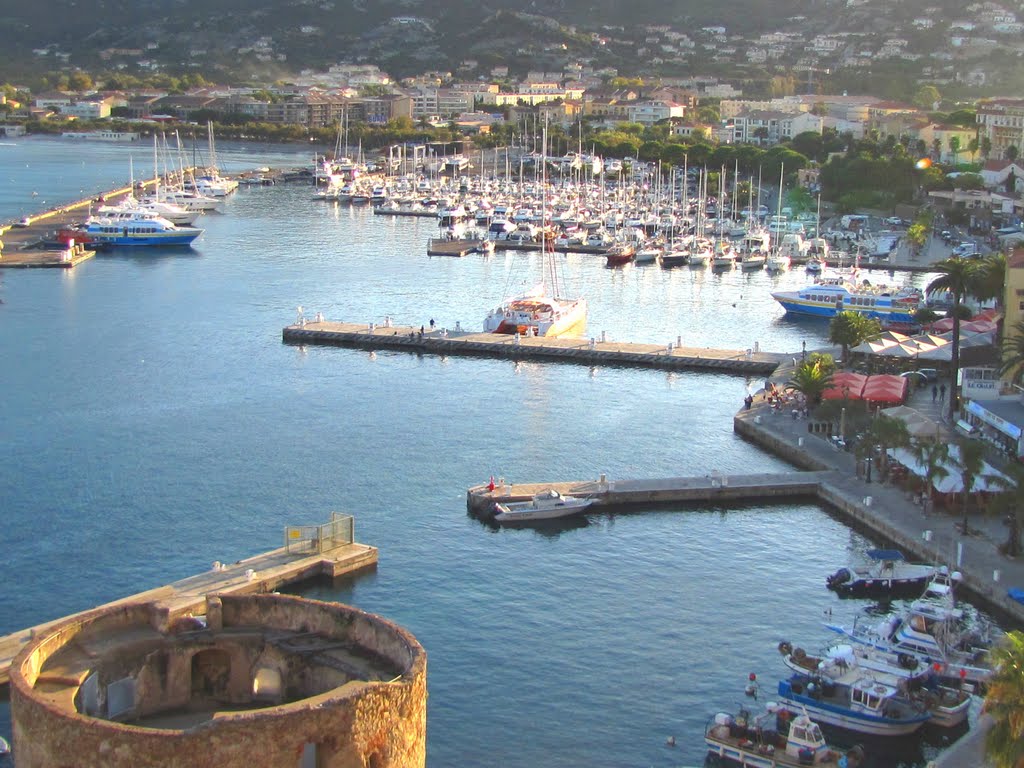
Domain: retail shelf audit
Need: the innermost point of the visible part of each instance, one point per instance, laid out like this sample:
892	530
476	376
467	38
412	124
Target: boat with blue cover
887	574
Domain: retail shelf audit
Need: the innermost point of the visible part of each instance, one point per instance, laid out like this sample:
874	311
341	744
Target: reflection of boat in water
546	505
775	739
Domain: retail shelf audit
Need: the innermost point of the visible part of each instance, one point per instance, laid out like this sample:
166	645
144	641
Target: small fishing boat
853	700
918	682
546	505
775	739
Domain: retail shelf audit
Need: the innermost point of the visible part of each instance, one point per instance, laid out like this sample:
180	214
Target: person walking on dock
935	392
942	393
431	323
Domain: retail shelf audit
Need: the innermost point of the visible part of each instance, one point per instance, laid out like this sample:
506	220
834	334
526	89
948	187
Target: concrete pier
669	356
714	487
308	555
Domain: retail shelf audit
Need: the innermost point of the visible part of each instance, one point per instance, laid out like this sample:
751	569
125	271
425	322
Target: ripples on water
154	422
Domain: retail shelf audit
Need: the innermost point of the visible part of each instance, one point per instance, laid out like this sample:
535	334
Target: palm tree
848	329
933	455
1011	504
811	379
990	278
887	432
972	460
1004	703
1012	354
956	275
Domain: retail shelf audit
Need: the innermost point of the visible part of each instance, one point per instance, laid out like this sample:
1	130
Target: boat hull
513	513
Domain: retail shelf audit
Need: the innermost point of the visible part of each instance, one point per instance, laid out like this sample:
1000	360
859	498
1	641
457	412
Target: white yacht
546	505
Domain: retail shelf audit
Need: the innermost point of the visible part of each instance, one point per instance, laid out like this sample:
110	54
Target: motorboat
649	254
778	262
619	254
814	266
128	208
947	704
934	630
546	505
775	739
854	700
841	293
752	260
886	574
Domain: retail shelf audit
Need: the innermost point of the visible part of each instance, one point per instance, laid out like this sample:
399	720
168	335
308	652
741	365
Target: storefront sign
1012	430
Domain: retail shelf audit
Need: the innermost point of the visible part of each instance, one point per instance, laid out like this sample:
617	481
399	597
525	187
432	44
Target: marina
187	431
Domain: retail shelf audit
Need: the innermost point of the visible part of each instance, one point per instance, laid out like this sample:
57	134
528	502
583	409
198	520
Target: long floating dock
573	350
301	560
714	487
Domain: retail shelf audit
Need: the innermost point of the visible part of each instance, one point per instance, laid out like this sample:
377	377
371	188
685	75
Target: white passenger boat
832	295
141	229
775	739
546	505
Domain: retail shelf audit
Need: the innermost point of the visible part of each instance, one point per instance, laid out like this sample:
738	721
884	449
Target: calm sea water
153	422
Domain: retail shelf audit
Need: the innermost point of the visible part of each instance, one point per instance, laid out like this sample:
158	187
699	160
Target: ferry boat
144	229
834	294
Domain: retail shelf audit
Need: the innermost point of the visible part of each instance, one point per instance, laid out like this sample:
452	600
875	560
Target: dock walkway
671	356
256	575
712	487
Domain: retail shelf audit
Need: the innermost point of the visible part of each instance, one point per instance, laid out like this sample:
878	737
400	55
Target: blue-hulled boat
142	229
841	293
855	701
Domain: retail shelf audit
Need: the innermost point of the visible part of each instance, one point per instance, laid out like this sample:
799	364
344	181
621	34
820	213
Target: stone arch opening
267	685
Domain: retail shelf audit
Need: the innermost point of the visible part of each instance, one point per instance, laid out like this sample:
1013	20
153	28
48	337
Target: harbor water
153	422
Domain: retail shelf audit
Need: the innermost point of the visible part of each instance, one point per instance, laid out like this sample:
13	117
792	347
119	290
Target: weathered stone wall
355	726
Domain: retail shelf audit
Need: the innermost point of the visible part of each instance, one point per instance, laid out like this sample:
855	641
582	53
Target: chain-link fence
338	532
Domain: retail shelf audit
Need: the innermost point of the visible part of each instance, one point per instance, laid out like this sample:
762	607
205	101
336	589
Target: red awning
846	385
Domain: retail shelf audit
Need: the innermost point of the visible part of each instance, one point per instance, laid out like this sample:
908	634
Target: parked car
967	248
894	221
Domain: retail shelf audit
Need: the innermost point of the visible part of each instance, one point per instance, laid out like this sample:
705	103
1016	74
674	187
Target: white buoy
671	741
